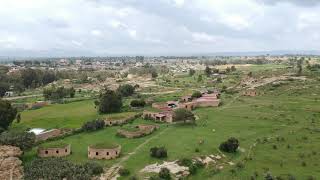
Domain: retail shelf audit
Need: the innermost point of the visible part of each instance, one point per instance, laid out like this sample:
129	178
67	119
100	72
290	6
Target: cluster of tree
158	152
228	69
58	168
230	146
56	93
184	115
109	102
23	140
32	78
7	114
138	103
125	90
93	125
313	67
192	72
144	70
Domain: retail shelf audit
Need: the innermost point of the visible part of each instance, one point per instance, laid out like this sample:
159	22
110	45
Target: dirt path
111	173
22	97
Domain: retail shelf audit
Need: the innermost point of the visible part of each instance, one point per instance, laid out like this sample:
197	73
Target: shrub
124	172
230	146
240	165
164	173
137	103
158	152
23	140
58	168
196	94
93	168
93	125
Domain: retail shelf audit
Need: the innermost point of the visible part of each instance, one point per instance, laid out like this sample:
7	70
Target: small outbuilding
54	150
104	151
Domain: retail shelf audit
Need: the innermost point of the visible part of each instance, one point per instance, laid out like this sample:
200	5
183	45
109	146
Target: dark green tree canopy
125	90
7	114
184	115
109	102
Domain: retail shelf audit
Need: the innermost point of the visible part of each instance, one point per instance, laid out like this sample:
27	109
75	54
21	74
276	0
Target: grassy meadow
278	130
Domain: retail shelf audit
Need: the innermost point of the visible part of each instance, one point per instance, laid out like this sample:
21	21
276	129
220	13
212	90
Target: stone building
55	151
141	130
102	151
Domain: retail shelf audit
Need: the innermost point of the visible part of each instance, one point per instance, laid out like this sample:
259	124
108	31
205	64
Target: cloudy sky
156	27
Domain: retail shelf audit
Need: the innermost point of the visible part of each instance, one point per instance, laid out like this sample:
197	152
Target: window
107	153
66	150
46	152
116	152
97	153
57	152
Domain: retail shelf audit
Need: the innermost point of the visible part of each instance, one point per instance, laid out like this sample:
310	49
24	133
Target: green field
282	122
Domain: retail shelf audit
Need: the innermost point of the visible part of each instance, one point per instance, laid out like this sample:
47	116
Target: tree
299	66
18	118
93	125
164	174
207	71
196	94
4	87
184	115
109	102
23	140
199	78
230	146
125	90
7	114
191	72
233	68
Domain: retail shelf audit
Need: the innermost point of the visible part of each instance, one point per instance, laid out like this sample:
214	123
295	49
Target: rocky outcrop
10	164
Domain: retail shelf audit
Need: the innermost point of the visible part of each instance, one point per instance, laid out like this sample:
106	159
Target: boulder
10	164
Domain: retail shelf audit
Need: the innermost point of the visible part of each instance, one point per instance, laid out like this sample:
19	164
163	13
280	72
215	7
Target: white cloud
203	37
96	32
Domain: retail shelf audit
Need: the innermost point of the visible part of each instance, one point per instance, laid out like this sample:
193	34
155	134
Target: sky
156	27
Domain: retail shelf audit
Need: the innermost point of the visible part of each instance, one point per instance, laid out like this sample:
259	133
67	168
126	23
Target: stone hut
104	151
139	131
59	150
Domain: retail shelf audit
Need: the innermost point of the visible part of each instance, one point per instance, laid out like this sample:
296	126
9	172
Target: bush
124	172
158	152
196	94
93	125
58	168
93	168
230	146
137	103
23	140
164	174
